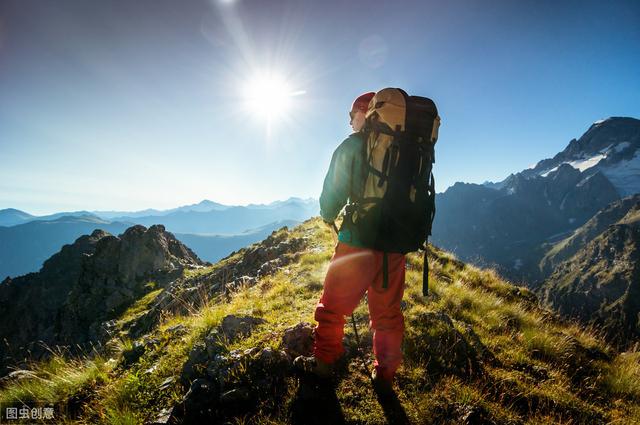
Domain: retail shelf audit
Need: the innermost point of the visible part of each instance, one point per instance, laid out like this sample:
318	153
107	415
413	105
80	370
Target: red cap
362	102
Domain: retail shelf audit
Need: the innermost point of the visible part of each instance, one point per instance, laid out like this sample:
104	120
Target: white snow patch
546	173
599	122
585	164
586	179
579	164
625	175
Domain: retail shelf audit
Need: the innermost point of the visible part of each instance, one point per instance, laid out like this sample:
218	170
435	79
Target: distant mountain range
12	216
230	220
212	229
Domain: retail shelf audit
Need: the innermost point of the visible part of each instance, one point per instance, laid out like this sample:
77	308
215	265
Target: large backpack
396	206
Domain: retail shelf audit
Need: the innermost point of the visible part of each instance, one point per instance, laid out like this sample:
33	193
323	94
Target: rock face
600	283
85	284
117	273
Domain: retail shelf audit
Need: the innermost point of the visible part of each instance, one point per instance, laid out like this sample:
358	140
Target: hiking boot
383	387
314	366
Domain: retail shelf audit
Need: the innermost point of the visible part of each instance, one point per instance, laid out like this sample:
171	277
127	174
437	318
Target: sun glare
268	96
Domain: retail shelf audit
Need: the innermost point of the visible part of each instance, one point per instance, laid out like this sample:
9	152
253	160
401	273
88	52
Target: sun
268	96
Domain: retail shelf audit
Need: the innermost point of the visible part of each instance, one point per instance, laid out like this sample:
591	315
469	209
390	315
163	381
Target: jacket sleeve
336	187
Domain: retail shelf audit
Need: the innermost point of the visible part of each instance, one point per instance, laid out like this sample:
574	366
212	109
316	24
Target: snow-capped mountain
611	146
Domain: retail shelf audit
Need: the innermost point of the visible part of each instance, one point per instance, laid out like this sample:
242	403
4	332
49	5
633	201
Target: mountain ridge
13	216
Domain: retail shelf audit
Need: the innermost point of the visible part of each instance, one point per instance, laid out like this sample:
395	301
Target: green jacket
343	179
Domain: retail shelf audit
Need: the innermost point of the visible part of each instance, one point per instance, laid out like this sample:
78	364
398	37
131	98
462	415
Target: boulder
298	340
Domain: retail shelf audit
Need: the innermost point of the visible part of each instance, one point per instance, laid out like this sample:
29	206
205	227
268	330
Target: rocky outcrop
242	268
85	284
298	340
222	384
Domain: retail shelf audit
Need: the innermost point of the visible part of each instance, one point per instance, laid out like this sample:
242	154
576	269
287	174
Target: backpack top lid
388	107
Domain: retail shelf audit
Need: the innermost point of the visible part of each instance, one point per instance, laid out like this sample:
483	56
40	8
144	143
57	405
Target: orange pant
352	272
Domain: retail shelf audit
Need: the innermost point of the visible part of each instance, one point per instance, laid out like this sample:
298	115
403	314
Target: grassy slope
543	370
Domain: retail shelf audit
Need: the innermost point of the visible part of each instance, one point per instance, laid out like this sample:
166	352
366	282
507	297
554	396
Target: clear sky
142	104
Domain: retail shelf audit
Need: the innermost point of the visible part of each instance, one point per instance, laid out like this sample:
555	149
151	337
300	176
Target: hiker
358	265
356	269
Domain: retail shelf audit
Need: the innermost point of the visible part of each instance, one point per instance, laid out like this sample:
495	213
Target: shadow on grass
315	402
393	410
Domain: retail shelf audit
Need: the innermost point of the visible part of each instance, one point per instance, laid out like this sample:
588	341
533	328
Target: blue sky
131	105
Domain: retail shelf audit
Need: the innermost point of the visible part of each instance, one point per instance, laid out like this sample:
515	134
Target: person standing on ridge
355	269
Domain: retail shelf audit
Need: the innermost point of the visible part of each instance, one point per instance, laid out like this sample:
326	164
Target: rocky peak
88	282
604	137
69	258
611	146
139	252
602	134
